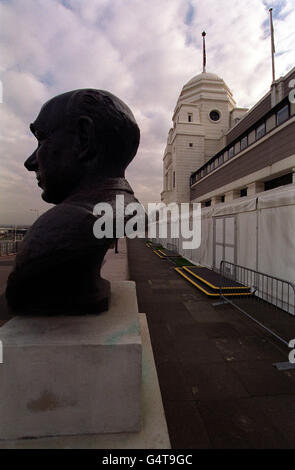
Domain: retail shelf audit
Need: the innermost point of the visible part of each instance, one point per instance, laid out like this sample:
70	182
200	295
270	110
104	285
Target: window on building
190	144
243	192
214	115
280	181
208	203
244	142
260	131
220	159
173	179
283	114
231	152
222	198
189	117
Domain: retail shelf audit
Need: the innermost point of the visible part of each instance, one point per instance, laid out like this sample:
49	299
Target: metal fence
271	298
8	247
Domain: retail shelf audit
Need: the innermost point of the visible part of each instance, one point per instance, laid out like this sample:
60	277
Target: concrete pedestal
73	375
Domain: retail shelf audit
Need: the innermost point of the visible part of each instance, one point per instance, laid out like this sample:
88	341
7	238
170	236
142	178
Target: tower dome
206	85
203	76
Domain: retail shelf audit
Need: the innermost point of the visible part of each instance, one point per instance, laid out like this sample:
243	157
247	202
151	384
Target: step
213	279
207	289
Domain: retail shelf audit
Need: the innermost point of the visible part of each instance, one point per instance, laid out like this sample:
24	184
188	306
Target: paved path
218	384
115	265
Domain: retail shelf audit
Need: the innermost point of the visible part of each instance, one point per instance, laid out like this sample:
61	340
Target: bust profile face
80	136
86	139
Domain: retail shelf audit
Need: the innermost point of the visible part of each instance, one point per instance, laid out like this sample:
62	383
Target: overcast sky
143	51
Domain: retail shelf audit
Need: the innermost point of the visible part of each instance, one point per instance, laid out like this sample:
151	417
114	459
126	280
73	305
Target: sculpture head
82	135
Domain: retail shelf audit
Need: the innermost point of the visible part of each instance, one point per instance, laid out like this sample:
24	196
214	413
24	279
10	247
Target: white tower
205	110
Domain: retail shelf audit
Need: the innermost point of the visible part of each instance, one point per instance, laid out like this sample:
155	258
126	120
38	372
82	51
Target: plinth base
73	375
153	434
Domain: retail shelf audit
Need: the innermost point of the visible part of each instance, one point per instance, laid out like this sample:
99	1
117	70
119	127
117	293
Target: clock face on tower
214	115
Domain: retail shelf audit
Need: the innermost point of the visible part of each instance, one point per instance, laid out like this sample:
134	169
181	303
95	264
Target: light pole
36	212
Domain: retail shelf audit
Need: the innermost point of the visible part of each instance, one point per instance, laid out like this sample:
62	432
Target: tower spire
204	51
272	45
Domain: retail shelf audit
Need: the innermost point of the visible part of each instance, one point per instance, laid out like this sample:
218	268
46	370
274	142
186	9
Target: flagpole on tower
204	51
272	45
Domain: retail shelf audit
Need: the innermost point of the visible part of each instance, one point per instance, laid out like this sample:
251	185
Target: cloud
141	50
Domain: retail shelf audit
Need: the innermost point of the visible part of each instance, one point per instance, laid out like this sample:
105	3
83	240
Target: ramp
208	282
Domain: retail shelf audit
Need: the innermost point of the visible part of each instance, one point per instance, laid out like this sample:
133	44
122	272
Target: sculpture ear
86	138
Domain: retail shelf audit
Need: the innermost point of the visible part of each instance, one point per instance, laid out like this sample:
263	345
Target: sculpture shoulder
62	221
64	228
58	261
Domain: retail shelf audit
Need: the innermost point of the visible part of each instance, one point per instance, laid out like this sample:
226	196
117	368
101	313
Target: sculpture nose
31	163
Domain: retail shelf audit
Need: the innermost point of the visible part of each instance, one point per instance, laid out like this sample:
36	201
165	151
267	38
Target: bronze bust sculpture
86	139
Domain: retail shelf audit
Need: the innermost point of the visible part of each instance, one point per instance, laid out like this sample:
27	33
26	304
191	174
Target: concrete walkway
115	265
218	384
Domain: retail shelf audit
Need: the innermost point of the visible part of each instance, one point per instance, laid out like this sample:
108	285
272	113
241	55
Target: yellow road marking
158	254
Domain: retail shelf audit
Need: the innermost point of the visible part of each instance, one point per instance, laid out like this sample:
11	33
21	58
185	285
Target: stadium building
239	164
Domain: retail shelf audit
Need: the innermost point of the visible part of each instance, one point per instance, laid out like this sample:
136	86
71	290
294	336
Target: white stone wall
185	110
186	160
237	113
213	129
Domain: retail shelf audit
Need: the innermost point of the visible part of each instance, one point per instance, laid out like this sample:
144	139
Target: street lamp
36	212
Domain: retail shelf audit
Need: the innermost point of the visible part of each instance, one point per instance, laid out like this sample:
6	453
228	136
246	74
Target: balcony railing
228	152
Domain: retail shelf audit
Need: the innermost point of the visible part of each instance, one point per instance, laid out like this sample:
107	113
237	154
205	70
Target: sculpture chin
45	197
51	199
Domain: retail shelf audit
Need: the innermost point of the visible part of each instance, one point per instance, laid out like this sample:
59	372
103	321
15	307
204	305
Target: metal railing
268	295
8	247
